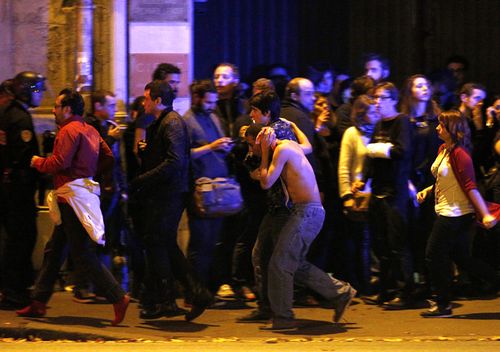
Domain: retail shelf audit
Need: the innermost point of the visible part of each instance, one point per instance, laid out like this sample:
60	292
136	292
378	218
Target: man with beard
209	148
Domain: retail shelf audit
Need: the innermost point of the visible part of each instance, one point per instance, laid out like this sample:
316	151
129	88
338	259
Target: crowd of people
351	187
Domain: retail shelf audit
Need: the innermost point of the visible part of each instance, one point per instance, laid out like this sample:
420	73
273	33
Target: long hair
360	109
457	126
408	102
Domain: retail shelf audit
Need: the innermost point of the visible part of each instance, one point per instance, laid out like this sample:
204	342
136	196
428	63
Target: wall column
84	59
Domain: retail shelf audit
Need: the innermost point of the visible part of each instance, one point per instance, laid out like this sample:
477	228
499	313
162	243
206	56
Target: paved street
476	325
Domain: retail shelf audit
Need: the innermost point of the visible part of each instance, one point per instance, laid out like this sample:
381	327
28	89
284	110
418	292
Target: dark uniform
18	182
18	144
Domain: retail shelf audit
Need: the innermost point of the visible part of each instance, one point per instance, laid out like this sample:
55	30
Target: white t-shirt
451	201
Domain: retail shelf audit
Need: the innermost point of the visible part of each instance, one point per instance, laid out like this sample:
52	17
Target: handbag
217	197
359	211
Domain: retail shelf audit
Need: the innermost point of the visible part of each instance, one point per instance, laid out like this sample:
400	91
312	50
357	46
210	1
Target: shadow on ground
479	316
74	320
317	328
174	326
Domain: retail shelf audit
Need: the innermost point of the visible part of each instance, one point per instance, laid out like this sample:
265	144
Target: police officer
18	144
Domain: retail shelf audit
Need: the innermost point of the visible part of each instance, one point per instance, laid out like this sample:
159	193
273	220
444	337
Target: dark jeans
18	216
242	272
114	221
157	226
204	234
71	234
357	257
388	221
450	239
328	240
420	222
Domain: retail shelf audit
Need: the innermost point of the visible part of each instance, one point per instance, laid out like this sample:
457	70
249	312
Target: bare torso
297	173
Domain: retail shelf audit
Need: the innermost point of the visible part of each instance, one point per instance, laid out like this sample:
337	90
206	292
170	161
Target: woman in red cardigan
458	203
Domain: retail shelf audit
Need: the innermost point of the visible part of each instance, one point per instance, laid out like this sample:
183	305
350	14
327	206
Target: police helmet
25	83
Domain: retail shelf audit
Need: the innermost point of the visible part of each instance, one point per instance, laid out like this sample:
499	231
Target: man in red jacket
78	153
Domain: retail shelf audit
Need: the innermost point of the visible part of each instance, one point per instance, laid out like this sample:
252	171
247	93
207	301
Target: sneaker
436	311
374	300
255	316
399	303
343	302
225	291
244	293
83	296
280	324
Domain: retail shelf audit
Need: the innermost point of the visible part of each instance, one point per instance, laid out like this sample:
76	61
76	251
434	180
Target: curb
31	334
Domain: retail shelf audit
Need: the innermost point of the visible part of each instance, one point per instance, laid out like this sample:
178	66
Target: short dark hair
201	87
236	71
163	70
253	130
160	89
263	84
458	59
99	96
390	88
384	62
138	103
74	100
361	85
267	101
468	88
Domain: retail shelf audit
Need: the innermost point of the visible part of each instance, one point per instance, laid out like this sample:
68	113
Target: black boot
165	309
199	296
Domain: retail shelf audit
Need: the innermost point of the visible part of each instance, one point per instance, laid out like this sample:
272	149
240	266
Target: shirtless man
285	160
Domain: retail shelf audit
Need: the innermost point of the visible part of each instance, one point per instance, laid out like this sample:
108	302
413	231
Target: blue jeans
269	230
288	261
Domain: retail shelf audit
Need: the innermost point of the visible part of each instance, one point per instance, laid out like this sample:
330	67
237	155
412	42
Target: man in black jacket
161	191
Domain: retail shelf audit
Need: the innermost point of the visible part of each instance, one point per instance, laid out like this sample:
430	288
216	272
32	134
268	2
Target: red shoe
120	310
34	310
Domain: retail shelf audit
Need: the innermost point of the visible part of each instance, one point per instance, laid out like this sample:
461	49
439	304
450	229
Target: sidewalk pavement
67	320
